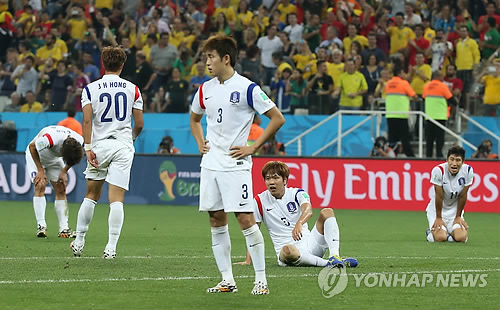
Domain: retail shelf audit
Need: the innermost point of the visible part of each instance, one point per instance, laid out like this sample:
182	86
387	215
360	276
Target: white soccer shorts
52	165
431	217
230	191
313	243
115	162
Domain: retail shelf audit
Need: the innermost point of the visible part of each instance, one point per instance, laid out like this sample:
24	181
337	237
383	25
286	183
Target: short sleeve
198	106
409	90
138	103
301	197
44	142
258	99
470	176
437	176
85	98
257	209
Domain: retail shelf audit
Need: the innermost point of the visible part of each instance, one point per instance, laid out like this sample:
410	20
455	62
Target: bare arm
438	223
138	123
306	209
87	134
197	131
40	176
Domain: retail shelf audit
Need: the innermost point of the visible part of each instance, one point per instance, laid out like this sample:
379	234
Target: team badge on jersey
461	181
291	207
235	97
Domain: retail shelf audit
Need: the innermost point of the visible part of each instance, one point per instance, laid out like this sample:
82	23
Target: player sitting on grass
49	156
285	211
445	211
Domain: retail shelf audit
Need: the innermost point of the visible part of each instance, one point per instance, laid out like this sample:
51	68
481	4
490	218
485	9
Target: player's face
215	63
275	185
455	163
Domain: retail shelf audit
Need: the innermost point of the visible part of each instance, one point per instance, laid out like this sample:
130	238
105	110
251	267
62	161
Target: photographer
167	146
484	150
381	148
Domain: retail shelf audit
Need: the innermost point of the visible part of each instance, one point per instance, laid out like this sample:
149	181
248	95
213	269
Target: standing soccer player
49	156
108	105
230	101
445	211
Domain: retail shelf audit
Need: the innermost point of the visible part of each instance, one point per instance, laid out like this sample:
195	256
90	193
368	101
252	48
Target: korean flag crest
235	97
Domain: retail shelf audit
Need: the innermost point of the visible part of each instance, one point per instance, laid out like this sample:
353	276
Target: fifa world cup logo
168	174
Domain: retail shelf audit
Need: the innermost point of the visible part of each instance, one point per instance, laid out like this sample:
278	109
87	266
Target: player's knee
289	254
440	236
40	189
326	213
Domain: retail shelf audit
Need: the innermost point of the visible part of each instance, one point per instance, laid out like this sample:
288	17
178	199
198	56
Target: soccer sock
307	259
115	222
39	204
221	246
430	237
62	214
255	246
450	238
84	217
332	235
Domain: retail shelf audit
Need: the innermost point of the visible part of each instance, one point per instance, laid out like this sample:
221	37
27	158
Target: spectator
287	44
436	95
280	63
468	58
37	39
294	29
411	19
81	80
297	89
144	73
61	85
273	147
303	59
159	101
162	56
255	130
420	74
128	71
382	34
440	51
71	123
491	39
482	24
311	32
331	41
200	78
418	44
77	23
184	63
320	87
89	68
177	91
48	50
385	76
27	77
371	72
167	146
400	35
455	85
221	25
372	49
352	36
250	64
484	150
91	45
445	21
381	148
31	104
351	88
278	88
491	99
268	45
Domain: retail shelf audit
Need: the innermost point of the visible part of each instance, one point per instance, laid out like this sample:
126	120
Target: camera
483	148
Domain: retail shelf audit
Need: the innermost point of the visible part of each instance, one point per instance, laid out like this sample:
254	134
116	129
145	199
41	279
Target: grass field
165	262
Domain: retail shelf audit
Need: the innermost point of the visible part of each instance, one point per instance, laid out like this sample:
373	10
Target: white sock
221	246
39	204
84	217
450	238
62	214
332	235
430	237
255	246
115	222
307	259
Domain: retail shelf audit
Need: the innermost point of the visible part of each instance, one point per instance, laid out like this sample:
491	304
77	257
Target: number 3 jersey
452	187
281	215
112	99
230	109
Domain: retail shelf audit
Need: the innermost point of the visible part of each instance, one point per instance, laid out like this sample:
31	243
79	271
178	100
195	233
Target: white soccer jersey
281	215
51	139
112	99
452	187
230	109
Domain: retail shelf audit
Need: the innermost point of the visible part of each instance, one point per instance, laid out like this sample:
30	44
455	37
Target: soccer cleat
427	232
350	262
260	289
109	254
335	262
223	287
77	249
41	232
67	233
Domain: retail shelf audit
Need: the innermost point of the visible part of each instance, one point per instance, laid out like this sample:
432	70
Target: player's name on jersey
113	84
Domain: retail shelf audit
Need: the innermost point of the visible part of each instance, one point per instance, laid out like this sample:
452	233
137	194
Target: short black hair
71	112
492	22
223	45
400	14
72	151
456	150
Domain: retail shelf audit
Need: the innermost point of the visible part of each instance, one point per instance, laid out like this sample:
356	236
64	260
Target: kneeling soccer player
285	211
445	211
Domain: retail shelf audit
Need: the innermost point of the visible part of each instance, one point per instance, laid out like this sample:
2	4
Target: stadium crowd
312	55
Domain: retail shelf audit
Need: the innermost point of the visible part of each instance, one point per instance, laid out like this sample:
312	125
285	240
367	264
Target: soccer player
108	105
230	100
445	211
49	156
285	211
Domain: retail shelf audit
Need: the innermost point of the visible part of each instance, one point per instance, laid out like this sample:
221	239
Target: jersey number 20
107	96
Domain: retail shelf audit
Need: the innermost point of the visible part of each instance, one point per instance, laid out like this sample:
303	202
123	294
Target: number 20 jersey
452	187
112	99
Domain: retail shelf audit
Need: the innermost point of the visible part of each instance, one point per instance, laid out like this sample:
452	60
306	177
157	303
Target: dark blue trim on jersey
88	92
249	94
468	170
296	200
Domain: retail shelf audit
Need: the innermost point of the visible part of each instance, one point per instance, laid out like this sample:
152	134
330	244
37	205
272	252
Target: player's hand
204	148
297	232
40	178
460	221
92	159
63	179
240	152
246	262
438	224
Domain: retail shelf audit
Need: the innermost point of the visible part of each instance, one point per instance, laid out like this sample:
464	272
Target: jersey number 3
107	96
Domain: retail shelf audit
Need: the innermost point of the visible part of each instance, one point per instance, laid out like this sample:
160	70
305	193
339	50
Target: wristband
87	147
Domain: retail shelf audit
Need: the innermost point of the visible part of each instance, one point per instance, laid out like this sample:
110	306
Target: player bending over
445	211
108	106
285	211
49	156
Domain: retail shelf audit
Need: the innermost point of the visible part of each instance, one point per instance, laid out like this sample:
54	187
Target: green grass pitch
165	262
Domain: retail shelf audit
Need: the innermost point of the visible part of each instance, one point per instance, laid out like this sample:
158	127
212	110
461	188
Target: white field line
238	277
237	257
